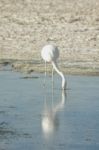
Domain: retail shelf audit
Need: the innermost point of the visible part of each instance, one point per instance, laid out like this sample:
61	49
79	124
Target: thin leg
45	96
52	77
52	85
45	74
45	68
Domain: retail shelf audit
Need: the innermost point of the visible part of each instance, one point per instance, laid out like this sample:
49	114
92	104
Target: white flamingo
50	53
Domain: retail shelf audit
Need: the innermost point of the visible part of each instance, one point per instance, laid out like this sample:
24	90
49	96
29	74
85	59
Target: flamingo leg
45	68
45	74
52	77
52	85
45	96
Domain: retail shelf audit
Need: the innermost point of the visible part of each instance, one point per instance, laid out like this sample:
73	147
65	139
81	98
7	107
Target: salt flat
73	25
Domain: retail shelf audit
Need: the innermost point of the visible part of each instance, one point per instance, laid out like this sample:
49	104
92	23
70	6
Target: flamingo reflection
50	120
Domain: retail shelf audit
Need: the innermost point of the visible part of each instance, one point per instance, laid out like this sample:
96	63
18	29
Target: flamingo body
50	53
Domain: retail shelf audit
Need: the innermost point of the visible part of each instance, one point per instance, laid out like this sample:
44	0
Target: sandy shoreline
73	25
29	67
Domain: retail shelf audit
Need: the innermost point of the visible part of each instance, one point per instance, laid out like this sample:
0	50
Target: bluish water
34	117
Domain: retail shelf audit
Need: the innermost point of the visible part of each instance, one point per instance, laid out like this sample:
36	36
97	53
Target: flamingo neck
54	64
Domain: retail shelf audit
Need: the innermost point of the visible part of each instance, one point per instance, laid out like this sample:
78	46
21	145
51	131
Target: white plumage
50	53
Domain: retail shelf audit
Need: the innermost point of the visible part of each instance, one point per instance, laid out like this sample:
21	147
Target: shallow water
35	117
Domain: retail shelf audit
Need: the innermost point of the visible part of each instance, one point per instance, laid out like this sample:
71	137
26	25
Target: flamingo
50	53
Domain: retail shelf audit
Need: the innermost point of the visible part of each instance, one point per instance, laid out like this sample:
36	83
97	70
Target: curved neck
61	74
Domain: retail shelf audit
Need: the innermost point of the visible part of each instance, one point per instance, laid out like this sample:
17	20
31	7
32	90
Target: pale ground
73	25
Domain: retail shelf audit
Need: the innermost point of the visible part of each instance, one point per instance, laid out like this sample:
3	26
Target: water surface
35	117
